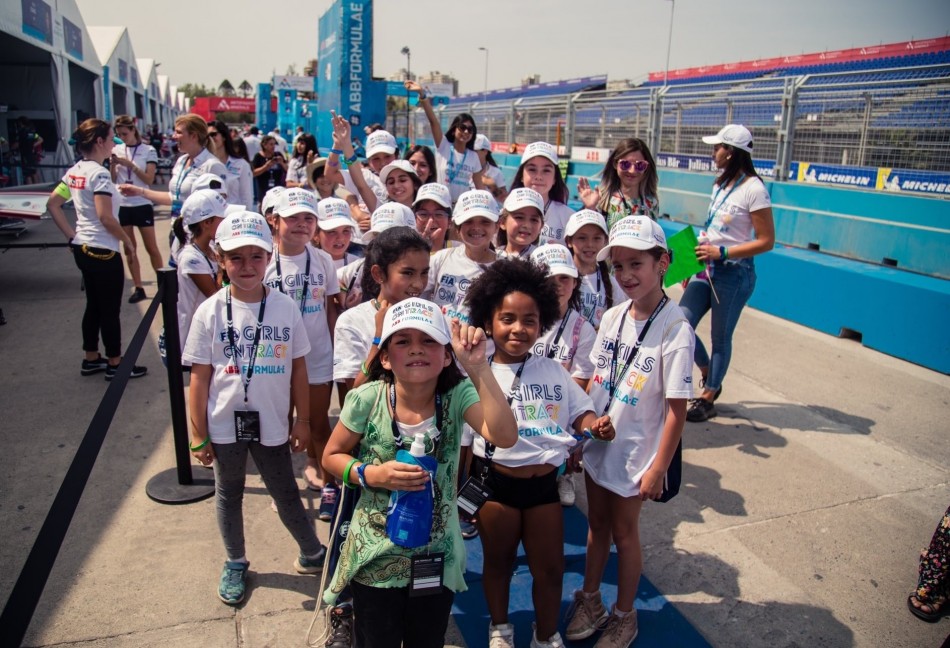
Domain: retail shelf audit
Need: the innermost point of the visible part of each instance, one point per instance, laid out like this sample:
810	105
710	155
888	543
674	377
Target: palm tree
245	88
226	89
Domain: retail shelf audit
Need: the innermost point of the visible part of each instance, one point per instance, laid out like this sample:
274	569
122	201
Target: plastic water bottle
409	519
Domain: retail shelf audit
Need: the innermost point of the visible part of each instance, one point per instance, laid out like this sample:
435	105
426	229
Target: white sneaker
620	631
553	641
565	489
501	636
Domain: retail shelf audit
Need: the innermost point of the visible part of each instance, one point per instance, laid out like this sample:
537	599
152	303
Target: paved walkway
804	505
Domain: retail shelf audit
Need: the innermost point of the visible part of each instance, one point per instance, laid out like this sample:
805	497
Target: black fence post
176	486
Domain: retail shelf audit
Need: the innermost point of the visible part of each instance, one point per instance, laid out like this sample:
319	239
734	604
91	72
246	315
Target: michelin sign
345	81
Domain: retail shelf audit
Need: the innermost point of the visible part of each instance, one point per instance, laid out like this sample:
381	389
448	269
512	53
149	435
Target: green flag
683	246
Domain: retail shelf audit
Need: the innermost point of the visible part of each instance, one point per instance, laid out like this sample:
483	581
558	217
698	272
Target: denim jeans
734	283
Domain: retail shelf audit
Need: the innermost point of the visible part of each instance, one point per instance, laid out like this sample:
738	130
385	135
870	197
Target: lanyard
183	175
246	380
306	280
614	376
557	336
713	207
451	168
131	158
210	265
515	386
627	208
438	418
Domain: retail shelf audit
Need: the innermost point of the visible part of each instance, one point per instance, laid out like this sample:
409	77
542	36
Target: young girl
586	236
335	232
539	171
515	304
307	276
492	175
398	177
643	359
572	339
451	271
520	224
240	180
627	186
380	151
459	167
247	347
197	271
422	160
415	386
433	210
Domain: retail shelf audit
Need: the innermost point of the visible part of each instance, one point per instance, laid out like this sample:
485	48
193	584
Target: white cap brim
472	213
630	245
380	149
241	241
335	222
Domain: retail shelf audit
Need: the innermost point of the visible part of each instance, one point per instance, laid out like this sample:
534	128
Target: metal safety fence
884	118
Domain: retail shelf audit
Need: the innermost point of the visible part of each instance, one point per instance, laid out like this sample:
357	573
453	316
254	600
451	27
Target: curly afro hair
507	276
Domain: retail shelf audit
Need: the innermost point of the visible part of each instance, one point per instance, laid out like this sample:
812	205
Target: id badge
425	575
247	425
176	208
270	182
472	496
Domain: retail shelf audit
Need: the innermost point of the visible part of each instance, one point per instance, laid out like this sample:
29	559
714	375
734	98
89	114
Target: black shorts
138	216
518	493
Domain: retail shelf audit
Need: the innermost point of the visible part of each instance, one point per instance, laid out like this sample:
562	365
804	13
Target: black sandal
936	609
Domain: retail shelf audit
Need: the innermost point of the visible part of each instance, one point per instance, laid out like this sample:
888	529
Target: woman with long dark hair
423	161
304	152
628	185
95	244
738	227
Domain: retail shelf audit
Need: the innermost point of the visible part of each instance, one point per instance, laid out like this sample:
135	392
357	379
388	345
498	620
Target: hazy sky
205	41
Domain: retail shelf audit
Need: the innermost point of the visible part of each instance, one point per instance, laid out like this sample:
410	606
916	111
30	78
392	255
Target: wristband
361	476
351	160
376	341
422	95
199	446
723	252
346	474
333	164
336	151
364	369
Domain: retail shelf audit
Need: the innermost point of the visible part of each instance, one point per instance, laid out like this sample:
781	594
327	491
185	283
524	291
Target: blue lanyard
182	176
713	207
395	425
245	380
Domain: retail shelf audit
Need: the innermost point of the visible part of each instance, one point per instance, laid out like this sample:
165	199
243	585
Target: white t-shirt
297	171
594	296
663	369
183	179
525	254
350	276
320	286
253	144
375	184
283	338
355	329
573	346
494	174
191	261
555	220
240	183
545	406
141	155
732	222
280	146
85	180
451	272
455	169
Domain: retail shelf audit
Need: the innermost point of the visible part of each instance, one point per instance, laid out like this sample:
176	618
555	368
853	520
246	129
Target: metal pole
669	45
485	91
405	50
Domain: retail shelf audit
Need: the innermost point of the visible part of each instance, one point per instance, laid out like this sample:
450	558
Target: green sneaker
232	585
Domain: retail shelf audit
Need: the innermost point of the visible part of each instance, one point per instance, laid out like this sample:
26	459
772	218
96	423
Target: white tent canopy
121	86
49	72
148	70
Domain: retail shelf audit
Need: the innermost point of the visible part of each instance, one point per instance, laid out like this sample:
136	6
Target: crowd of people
524	341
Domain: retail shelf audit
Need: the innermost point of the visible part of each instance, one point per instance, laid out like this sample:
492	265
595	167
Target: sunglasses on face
637	165
467	128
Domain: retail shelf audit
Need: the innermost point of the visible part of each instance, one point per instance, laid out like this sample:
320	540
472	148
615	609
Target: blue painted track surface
660	623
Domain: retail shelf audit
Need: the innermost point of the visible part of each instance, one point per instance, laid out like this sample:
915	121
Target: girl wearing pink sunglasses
628	185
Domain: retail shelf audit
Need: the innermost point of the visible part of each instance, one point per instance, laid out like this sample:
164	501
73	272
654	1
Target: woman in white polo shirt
95	244
135	162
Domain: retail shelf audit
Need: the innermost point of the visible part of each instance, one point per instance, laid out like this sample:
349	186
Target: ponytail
178	229
608	286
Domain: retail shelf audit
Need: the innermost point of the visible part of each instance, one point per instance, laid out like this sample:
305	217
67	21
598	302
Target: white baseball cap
475	202
524	197
582	218
333	213
210	181
402	165
244	228
296	200
435	192
557	258
380	142
733	135
482	143
419	314
636	233
542	149
202	205
271	198
234	209
387	215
